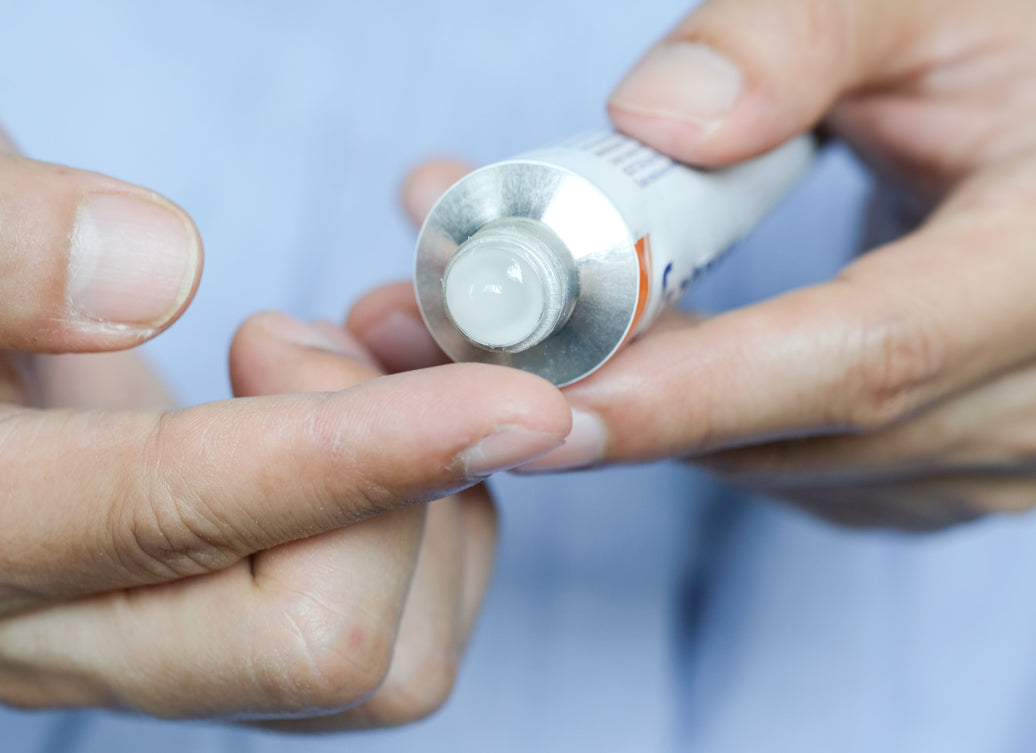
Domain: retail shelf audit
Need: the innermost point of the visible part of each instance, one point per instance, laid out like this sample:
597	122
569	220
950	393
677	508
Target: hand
420	572
903	393
207	562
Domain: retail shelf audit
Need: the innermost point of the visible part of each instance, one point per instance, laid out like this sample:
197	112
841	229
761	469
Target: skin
900	394
267	559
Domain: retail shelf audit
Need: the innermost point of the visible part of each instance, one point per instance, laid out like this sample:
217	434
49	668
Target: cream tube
551	261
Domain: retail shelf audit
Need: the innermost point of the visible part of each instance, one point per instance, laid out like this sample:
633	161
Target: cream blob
494	296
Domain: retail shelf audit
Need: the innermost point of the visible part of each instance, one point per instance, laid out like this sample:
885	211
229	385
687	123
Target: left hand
382	607
266	557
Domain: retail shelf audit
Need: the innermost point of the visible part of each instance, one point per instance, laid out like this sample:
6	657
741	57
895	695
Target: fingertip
464	420
704	119
737	78
505	397
553	414
389	324
374	304
426	183
401	342
96	264
676	97
275	353
682	141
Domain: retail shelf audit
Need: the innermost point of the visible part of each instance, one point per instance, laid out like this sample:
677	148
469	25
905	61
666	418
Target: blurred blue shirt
633	609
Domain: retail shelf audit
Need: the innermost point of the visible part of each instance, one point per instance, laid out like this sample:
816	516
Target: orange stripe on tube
643	248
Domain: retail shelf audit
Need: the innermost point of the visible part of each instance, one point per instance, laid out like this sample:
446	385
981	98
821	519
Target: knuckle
428	663
161	526
424	694
312	658
893	363
365	477
839	35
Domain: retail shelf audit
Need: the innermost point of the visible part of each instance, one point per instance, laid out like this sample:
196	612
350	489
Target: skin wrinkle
309	655
387	707
361	668
315	657
168	537
324	430
893	367
222	543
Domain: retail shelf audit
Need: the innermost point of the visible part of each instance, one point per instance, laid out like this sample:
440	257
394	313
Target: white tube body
682	219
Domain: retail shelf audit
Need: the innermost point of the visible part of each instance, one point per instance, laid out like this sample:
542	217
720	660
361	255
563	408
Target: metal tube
604	231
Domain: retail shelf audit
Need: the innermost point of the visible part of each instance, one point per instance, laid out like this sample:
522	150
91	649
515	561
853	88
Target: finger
426	183
985	430
146	497
427	650
918	506
88	262
739	77
902	328
480	536
389	324
452	574
111	381
448	588
273	353
388	321
918	503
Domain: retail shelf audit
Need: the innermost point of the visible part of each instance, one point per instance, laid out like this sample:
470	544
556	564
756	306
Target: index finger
96	500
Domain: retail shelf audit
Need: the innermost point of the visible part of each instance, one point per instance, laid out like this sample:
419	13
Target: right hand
902	393
142	557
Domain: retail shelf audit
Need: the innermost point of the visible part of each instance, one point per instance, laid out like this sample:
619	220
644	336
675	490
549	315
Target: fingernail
507	447
132	261
584	446
681	81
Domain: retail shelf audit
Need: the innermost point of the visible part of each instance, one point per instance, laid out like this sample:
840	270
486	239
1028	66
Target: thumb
87	262
737	78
